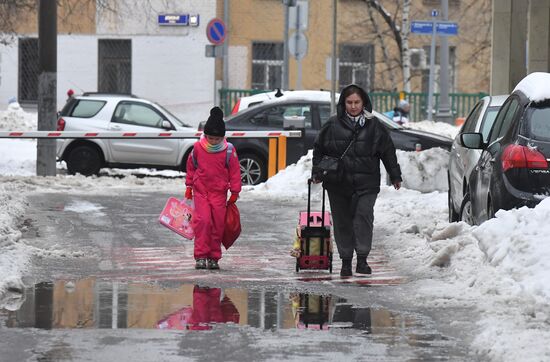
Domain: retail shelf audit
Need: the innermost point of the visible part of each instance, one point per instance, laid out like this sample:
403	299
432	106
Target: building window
28	70
426	72
267	65
115	66
356	65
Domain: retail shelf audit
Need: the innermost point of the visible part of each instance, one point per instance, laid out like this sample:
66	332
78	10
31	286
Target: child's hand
233	198
189	193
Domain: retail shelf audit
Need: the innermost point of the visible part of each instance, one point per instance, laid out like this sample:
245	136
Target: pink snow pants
209	224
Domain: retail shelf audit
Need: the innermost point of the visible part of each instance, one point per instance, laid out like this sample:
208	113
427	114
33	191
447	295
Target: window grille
115	66
356	65
267	65
28	70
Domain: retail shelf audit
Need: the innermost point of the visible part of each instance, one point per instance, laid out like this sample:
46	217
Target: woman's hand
397	185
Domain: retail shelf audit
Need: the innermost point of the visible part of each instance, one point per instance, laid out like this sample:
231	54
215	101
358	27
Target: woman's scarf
210	148
359	119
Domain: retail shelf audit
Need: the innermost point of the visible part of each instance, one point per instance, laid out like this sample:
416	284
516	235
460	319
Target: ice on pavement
498	269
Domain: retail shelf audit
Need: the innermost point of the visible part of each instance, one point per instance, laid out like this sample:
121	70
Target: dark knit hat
215	126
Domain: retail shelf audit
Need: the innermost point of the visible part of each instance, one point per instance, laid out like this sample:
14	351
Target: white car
463	160
245	102
96	112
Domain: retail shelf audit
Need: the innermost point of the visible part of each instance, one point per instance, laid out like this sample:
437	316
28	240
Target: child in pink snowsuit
211	172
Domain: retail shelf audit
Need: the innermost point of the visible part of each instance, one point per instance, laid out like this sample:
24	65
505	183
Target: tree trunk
406	59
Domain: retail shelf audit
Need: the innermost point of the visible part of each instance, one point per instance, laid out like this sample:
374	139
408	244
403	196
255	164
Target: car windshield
387	121
538	117
171	117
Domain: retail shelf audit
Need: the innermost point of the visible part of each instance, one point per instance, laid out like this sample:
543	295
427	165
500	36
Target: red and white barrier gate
277	139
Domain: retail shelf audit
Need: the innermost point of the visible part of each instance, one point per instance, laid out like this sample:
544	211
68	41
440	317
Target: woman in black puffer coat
355	129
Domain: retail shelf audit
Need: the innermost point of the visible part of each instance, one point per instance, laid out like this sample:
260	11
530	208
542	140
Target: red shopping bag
232	225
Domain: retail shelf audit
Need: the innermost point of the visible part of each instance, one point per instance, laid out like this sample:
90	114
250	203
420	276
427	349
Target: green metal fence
228	97
461	103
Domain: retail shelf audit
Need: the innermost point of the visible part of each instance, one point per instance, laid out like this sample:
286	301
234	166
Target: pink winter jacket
211	173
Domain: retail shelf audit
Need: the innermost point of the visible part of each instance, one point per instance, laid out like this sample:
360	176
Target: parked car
314	108
513	168
249	101
98	112
462	160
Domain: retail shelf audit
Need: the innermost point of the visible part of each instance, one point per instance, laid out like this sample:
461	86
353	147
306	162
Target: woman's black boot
346	268
362	266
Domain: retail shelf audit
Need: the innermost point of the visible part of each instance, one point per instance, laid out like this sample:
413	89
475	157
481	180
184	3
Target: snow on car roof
535	86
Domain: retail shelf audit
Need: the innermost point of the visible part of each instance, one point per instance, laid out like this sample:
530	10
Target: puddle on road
93	303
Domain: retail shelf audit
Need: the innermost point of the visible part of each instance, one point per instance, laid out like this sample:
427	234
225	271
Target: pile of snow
440	128
14	118
535	86
424	171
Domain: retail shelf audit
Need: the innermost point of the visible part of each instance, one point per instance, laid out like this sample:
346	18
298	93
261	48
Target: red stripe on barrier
90	134
54	134
274	134
133	134
237	134
16	134
198	134
165	134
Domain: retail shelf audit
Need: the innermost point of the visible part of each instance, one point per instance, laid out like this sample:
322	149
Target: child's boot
212	264
200	264
362	266
346	268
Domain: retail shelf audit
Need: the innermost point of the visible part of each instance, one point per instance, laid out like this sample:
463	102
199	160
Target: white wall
76	65
168	62
8	73
174	72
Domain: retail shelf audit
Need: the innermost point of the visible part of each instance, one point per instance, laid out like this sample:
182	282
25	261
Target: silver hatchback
462	160
107	113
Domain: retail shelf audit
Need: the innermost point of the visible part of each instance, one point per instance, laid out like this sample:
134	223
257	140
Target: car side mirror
472	140
294	122
167	125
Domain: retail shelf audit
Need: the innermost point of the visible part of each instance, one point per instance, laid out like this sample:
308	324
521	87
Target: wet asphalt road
112	284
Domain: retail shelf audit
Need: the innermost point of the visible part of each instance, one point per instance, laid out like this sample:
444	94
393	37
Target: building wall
263	20
168	62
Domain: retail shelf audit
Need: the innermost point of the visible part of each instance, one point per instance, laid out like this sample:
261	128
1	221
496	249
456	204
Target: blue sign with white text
446	29
422	27
181	20
442	28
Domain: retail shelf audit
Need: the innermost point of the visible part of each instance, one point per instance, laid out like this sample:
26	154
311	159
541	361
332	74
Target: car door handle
492	160
115	128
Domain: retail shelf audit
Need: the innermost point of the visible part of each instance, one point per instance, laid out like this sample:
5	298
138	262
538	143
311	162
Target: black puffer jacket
362	161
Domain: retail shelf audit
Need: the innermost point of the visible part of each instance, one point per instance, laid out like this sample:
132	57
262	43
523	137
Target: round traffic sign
297	45
215	31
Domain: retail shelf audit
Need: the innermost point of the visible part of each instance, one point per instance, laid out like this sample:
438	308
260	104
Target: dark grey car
270	115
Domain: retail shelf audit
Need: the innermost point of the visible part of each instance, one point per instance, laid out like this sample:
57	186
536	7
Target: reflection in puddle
91	303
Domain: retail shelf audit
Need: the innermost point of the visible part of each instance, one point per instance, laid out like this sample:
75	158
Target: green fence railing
461	103
228	97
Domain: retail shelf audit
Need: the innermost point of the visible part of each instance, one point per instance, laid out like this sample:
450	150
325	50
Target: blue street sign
442	28
446	29
421	27
173	19
215	31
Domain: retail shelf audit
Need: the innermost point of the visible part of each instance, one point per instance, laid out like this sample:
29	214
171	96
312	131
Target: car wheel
253	169
84	160
453	215
466	210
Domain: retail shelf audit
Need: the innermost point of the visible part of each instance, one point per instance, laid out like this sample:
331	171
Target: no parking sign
215	31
